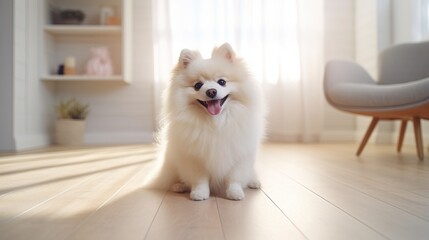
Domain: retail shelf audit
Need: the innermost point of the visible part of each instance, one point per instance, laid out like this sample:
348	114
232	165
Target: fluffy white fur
203	151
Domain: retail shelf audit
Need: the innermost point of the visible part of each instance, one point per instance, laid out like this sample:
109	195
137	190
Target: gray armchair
402	92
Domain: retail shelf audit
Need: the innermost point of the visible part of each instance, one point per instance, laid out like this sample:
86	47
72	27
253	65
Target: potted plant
70	125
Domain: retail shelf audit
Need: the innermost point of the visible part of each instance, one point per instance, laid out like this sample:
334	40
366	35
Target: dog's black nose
211	93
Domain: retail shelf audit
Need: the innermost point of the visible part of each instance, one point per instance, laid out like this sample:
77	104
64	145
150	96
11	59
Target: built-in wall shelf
83	30
76	78
79	42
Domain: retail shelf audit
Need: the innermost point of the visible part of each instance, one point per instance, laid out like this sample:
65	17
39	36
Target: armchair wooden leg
367	135
401	135
418	135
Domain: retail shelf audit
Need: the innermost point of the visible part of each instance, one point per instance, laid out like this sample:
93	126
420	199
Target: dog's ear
224	51
187	56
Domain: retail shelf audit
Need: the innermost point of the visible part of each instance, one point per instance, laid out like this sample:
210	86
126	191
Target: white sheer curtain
281	40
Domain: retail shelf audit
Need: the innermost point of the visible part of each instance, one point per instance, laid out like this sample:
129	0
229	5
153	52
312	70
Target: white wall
26	102
6	76
32	99
121	113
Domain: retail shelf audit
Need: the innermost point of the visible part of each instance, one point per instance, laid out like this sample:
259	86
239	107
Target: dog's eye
198	85
221	82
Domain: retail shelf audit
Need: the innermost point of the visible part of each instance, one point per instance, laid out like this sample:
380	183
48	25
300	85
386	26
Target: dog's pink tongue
214	107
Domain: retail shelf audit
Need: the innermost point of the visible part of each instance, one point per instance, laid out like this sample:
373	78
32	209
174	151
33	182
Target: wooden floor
309	192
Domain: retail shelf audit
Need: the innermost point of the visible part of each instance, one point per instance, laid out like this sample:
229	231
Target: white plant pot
69	132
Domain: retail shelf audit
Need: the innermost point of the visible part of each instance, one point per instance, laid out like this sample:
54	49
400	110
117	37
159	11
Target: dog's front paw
199	195
235	192
200	192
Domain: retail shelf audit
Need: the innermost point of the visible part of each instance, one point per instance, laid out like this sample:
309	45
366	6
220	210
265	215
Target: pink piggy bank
100	63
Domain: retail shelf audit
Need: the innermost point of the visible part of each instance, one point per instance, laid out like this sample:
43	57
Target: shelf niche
60	41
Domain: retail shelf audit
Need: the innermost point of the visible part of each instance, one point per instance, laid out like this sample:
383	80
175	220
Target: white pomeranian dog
212	124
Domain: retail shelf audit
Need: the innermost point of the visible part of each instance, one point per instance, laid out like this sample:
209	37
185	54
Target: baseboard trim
28	142
119	138
338	135
42	140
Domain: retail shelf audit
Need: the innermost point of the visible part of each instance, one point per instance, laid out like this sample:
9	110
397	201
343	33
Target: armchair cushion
404	63
348	87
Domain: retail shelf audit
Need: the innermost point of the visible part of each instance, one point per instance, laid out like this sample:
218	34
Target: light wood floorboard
257	217
309	191
180	218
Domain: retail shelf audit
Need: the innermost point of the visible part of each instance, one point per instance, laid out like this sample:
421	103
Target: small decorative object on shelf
70	66
100	63
108	16
68	16
60	70
70	125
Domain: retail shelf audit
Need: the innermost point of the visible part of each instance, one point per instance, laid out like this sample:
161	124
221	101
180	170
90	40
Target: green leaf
72	109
